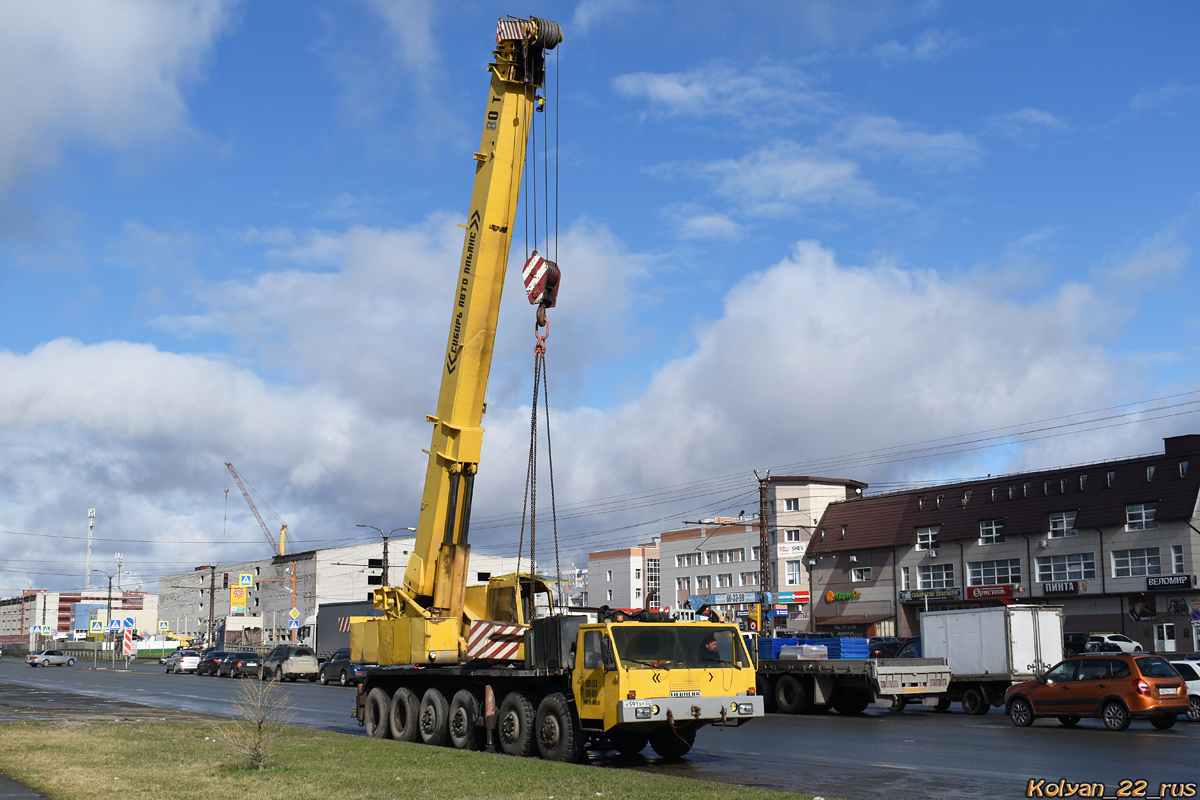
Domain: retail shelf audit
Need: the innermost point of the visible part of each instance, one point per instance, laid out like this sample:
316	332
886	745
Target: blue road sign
129	622
114	624
294	625
97	626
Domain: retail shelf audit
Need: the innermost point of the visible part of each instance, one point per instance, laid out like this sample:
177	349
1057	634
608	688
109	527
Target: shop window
1140	517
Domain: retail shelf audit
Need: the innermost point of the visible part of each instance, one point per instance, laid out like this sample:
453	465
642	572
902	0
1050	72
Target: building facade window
1046	488
791	504
1140	517
1069	567
683	584
637	574
1025	489
905	579
1062	524
608	574
703	583
1183	469
992	573
748	578
860	574
1149	474
610	591
1082	482
927	537
637	593
754	553
1109	478
1177	558
935	576
1134	562
795	574
991	531
725	580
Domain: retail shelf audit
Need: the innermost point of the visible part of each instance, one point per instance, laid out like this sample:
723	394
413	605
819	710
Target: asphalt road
880	755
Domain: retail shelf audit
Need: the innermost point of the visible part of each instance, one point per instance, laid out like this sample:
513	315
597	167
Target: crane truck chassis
583	686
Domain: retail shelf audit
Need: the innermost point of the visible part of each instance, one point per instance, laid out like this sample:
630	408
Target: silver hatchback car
50	658
288	662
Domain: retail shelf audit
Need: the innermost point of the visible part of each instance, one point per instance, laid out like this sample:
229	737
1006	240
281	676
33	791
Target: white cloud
111	73
589	12
1161	97
695	222
410	27
929	46
878	137
1024	125
781	177
749	96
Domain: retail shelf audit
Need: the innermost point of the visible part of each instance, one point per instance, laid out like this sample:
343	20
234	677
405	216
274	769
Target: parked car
877	646
50	658
1191	676
183	661
341	669
908	648
209	661
1074	644
1122	641
289	662
1115	687
239	664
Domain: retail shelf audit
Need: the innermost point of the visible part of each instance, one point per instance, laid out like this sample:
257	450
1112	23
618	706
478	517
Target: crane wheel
672	743
376	721
627	743
403	714
434	718
464	711
515	725
559	737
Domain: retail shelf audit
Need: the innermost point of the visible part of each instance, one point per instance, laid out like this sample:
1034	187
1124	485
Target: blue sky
789	232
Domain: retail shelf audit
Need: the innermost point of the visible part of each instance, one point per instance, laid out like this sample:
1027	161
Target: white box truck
989	649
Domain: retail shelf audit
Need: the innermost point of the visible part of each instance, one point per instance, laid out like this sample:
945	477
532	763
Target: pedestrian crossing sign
97	626
164	625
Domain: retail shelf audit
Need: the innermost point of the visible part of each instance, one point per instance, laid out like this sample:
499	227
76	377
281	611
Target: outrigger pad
541	281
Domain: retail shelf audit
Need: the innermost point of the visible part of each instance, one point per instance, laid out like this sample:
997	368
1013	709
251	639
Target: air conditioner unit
1042	543
931	553
853	559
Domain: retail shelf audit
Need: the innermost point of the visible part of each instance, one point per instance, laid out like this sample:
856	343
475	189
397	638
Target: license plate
1166	691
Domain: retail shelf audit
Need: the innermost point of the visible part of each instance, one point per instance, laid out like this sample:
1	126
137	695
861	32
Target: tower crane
276	546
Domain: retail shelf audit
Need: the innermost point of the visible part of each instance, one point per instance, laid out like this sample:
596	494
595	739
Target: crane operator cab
517	599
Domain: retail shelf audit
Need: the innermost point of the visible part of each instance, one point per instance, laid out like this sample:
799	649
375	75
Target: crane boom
276	546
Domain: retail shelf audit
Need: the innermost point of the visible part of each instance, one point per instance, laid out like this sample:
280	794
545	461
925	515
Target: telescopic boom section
436	575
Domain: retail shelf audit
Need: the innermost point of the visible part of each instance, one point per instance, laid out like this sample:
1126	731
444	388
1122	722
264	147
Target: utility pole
87	578
764	556
212	593
120	558
385	536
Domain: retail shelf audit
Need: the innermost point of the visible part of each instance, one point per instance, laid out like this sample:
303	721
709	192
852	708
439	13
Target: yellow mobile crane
464	665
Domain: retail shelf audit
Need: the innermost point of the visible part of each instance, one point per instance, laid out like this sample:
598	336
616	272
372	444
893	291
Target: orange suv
1116	687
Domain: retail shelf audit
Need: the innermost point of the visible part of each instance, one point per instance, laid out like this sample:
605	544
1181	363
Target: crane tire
403	714
434	718
465	733
376	718
515	723
559	736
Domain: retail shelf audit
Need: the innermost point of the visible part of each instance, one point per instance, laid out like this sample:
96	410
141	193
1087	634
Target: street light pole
385	536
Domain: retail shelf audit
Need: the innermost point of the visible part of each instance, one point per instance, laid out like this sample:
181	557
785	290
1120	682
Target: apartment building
624	578
1114	543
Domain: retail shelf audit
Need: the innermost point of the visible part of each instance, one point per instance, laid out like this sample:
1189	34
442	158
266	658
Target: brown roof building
1115	543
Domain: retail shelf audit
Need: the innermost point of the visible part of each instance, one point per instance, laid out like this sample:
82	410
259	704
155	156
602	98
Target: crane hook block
541	281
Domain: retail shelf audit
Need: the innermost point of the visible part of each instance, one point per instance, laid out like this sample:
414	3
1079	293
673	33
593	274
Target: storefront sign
1061	587
790	549
796	619
988	592
792	597
921	595
838	597
1143	608
1169	582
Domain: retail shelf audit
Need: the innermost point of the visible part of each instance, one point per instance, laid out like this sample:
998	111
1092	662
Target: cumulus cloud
589	12
1024	125
696	222
1155	98
929	46
108	73
878	137
750	97
782	177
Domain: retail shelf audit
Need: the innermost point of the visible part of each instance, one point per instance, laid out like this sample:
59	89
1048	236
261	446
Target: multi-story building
721	555
1114	543
66	613
624	578
188	600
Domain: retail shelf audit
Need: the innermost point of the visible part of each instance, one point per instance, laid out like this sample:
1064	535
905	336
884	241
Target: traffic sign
97	626
246	579
114	624
294	625
36	630
164	625
128	622
294	614
128	648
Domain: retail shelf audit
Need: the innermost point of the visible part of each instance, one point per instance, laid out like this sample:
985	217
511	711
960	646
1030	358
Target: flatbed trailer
795	686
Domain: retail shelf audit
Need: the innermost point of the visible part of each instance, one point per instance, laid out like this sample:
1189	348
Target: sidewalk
11	789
